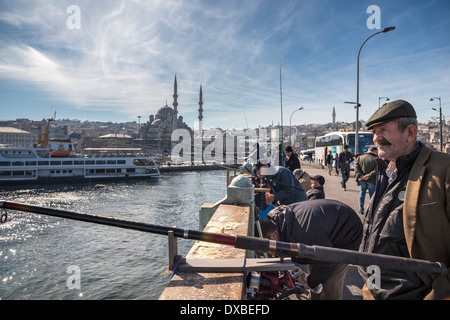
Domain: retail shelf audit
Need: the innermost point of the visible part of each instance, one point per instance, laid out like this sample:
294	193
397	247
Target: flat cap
320	179
391	111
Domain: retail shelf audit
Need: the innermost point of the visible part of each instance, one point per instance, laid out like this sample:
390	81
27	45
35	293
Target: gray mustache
384	142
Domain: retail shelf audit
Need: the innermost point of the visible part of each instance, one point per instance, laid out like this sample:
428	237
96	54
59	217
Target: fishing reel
3	216
276	285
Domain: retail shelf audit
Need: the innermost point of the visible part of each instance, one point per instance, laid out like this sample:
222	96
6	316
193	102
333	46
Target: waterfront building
13	137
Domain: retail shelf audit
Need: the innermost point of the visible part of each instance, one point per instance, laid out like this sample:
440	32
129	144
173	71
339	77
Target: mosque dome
165	110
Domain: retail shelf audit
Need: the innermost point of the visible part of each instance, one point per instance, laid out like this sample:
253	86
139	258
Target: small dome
157	122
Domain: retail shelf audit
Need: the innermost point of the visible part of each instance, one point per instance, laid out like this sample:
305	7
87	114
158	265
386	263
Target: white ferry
59	163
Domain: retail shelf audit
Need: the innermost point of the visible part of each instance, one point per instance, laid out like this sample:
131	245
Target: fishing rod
296	250
286	185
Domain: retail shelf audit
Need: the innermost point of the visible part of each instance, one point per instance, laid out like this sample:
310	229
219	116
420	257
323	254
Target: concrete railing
233	215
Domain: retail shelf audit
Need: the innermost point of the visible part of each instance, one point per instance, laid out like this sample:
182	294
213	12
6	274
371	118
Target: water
36	251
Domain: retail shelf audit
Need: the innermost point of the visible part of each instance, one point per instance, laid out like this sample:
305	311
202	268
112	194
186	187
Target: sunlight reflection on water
36	250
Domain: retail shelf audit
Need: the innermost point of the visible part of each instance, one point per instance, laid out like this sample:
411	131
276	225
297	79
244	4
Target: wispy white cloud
124	57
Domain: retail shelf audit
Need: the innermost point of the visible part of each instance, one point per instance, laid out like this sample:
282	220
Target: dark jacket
366	164
345	156
316	193
383	231
287	189
292	163
329	159
323	222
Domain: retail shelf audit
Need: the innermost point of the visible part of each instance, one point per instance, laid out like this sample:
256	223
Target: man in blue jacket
285	188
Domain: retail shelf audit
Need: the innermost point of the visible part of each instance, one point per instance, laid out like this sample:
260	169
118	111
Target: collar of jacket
411	202
412	194
408	160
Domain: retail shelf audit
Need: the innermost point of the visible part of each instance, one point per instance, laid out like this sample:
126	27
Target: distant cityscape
96	135
154	135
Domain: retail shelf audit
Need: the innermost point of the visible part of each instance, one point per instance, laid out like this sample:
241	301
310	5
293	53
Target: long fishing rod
296	250
286	185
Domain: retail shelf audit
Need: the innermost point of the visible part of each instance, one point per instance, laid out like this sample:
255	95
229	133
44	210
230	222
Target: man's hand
269	198
302	280
365	177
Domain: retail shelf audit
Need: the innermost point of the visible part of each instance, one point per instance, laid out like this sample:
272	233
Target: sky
116	60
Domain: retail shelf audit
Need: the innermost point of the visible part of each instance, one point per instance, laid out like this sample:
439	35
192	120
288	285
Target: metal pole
440	121
379	98
121	223
297	250
357	87
281	106
290	124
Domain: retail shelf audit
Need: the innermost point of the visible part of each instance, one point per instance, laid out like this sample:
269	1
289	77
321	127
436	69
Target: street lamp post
440	119
357	86
354	103
379	98
290	124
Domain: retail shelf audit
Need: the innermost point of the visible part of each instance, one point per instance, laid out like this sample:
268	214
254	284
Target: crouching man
322	222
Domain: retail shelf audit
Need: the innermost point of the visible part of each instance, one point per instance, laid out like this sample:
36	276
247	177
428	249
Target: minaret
200	111
198	132
175	105
200	103
334	115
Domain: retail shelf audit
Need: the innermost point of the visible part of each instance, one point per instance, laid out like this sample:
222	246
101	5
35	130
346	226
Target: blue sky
121	62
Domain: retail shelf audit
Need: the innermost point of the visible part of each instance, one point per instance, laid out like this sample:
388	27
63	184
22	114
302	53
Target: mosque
157	132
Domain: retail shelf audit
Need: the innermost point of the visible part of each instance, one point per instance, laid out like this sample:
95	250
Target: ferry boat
41	165
55	160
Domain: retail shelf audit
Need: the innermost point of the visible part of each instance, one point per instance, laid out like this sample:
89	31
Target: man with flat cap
409	214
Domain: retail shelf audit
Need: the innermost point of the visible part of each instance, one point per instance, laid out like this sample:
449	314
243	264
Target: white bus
335	141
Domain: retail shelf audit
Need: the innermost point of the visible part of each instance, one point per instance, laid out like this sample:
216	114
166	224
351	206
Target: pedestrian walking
329	162
365	175
336	164
291	161
345	158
